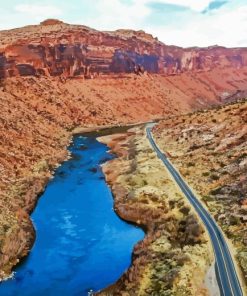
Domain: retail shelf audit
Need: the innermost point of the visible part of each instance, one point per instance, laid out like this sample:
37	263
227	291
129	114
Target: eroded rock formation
39	113
55	48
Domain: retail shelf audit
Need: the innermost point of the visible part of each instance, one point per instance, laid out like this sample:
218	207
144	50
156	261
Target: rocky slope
210	150
176	252
55	48
38	114
40	106
37	118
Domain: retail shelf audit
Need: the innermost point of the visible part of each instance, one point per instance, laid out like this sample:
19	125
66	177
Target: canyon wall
40	111
54	48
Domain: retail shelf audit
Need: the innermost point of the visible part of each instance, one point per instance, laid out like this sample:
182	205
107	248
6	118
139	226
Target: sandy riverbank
176	253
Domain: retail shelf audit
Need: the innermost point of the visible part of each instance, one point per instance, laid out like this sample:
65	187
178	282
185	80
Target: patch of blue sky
163	14
214	5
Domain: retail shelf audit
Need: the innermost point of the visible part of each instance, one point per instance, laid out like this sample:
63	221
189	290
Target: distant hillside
45	92
210	150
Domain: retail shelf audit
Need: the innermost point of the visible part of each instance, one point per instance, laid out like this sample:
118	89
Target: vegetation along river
81	243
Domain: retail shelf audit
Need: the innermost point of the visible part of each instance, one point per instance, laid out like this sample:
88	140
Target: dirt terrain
210	150
37	118
176	252
56	78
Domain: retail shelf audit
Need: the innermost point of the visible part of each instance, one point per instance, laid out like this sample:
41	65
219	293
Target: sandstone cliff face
39	113
54	48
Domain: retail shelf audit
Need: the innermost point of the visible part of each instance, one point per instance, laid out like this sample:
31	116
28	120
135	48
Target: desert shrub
224	173
214	177
234	220
194	147
207	198
216	191
144	182
221	164
41	166
184	210
133	166
242	156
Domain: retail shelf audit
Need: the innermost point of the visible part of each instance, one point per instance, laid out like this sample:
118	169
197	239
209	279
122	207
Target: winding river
81	244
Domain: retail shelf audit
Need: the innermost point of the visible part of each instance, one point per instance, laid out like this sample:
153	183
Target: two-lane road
225	270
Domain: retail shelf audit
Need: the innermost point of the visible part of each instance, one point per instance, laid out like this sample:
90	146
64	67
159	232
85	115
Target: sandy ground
209	149
211	281
145	194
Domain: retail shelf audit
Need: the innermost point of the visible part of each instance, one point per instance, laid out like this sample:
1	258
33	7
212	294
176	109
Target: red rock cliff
55	48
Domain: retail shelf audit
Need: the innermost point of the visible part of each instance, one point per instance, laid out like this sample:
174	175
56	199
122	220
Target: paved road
227	278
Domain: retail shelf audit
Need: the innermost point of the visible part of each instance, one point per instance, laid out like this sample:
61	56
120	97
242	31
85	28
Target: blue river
81	244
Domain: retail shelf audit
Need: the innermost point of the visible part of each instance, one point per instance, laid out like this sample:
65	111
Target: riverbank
40	115
175	242
176	253
71	250
18	234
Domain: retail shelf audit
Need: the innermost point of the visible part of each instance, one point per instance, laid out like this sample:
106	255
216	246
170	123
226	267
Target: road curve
227	277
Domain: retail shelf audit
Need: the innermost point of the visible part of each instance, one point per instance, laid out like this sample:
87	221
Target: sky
179	22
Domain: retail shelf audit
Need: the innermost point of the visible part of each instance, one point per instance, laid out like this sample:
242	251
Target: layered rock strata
54	48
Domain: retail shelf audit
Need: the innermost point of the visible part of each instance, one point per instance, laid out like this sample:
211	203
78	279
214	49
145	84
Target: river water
81	244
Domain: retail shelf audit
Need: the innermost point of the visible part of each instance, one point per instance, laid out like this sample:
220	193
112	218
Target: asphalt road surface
227	277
